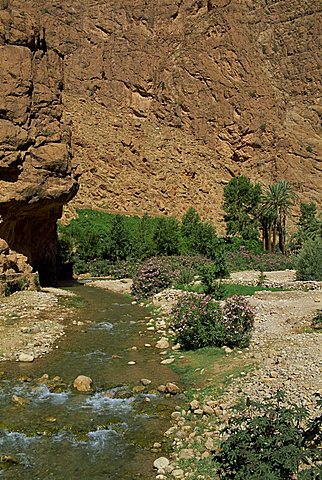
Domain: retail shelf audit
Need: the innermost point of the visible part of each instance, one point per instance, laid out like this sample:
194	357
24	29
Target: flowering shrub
238	320
153	276
158	273
197	322
246	260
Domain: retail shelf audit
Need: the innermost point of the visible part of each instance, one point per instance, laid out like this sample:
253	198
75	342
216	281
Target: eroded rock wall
170	99
36	175
167	100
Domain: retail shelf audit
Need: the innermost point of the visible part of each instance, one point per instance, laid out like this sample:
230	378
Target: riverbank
284	354
31	322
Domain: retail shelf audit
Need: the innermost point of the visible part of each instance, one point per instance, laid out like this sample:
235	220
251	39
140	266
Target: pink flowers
198	321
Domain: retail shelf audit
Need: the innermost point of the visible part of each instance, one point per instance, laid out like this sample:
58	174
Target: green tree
119	245
241	201
166	236
190	226
143	244
277	203
310	224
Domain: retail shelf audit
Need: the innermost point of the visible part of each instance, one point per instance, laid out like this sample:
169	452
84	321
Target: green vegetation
309	264
317	320
309	226
198	321
105	244
275	207
271	440
241	203
230	289
207	371
96	241
12	286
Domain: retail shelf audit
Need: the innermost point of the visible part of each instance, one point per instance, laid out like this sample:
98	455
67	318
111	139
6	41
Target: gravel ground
30	322
287	355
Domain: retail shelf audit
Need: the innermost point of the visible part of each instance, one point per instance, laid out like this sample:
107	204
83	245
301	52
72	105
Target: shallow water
60	433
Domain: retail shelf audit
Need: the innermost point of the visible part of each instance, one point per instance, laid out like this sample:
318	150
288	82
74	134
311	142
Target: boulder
83	383
161	463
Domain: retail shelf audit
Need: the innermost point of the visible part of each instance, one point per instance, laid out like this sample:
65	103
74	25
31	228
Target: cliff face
170	99
36	177
167	101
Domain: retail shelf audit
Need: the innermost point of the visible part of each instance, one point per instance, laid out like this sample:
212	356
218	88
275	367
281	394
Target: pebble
177	473
25	357
145	381
131	363
161	462
167	361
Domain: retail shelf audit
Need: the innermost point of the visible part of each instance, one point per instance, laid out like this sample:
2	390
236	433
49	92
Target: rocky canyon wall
170	99
36	176
167	100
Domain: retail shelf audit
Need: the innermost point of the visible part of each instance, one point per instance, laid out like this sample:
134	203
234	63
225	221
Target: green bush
196	321
271	440
210	276
238	319
309	262
100	267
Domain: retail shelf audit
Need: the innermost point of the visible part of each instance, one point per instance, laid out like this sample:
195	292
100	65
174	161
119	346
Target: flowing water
63	434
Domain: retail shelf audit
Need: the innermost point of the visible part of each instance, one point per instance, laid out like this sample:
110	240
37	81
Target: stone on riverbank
161	463
172	388
25	357
163	343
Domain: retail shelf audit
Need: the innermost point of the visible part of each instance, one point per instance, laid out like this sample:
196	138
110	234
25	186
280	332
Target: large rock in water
36	173
83	383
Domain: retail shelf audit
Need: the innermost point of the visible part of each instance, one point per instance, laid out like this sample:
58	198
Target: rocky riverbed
31	321
286	354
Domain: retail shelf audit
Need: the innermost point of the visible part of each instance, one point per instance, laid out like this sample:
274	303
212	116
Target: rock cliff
167	100
170	99
36	177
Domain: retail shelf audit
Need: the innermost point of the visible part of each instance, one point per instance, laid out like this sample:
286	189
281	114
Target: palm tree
277	203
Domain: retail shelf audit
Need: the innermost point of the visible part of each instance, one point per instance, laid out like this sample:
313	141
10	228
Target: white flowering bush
238	319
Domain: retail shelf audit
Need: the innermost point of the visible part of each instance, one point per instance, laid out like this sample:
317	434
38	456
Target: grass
209	370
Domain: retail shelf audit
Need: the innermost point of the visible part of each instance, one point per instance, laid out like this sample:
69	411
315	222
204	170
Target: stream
108	434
